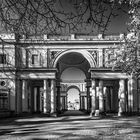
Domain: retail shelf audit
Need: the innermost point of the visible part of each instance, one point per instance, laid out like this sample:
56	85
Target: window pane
2	58
34	59
3	100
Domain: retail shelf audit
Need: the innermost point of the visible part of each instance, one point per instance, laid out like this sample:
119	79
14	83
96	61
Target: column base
119	114
54	115
91	113
97	113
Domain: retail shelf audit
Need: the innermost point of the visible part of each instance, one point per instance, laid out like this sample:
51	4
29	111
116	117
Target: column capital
133	76
93	83
88	82
101	82
58	82
92	78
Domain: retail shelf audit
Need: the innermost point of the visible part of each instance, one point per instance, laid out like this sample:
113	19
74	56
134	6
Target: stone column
105	98
38	99
80	102
45	97
18	101
35	99
88	94
24	96
93	97
66	104
53	96
29	98
101	99
121	97
138	93
83	102
58	104
88	99
112	99
132	94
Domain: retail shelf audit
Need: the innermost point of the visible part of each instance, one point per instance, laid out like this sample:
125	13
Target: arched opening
73	99
72	85
85	54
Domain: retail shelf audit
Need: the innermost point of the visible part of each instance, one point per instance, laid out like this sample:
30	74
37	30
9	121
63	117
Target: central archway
73	70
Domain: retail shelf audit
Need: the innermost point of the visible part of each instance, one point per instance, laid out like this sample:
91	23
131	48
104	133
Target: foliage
127	55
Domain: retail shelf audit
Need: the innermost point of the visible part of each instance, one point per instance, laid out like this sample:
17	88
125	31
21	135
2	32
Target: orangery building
43	74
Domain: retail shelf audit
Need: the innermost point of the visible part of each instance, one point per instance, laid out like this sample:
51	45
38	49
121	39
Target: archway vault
84	53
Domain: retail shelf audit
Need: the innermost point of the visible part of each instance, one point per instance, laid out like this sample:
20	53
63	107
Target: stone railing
76	37
66	37
7	36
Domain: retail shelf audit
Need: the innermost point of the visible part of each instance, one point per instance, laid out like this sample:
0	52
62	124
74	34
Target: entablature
107	73
37	73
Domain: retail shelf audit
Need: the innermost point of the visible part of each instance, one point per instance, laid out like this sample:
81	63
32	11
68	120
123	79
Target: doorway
36	96
73	99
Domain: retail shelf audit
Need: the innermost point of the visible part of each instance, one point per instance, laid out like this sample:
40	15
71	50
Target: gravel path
70	127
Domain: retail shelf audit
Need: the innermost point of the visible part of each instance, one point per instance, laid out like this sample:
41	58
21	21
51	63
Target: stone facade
31	75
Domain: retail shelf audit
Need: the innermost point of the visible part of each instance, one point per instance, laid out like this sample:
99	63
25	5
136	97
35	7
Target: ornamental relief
109	54
95	55
52	55
36	57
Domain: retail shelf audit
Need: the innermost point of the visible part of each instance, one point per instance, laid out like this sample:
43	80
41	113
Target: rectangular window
34	59
4	100
2	58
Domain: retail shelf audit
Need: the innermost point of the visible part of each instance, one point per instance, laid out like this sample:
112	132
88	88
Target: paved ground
70	127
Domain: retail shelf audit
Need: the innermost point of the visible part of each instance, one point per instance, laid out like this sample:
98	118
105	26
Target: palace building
37	74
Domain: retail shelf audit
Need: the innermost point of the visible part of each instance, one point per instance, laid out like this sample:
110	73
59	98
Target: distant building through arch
73	98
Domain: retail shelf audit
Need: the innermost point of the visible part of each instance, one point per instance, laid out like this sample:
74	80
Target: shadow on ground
38	127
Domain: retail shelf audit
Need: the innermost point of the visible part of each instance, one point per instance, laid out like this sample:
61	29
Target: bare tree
38	17
54	16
